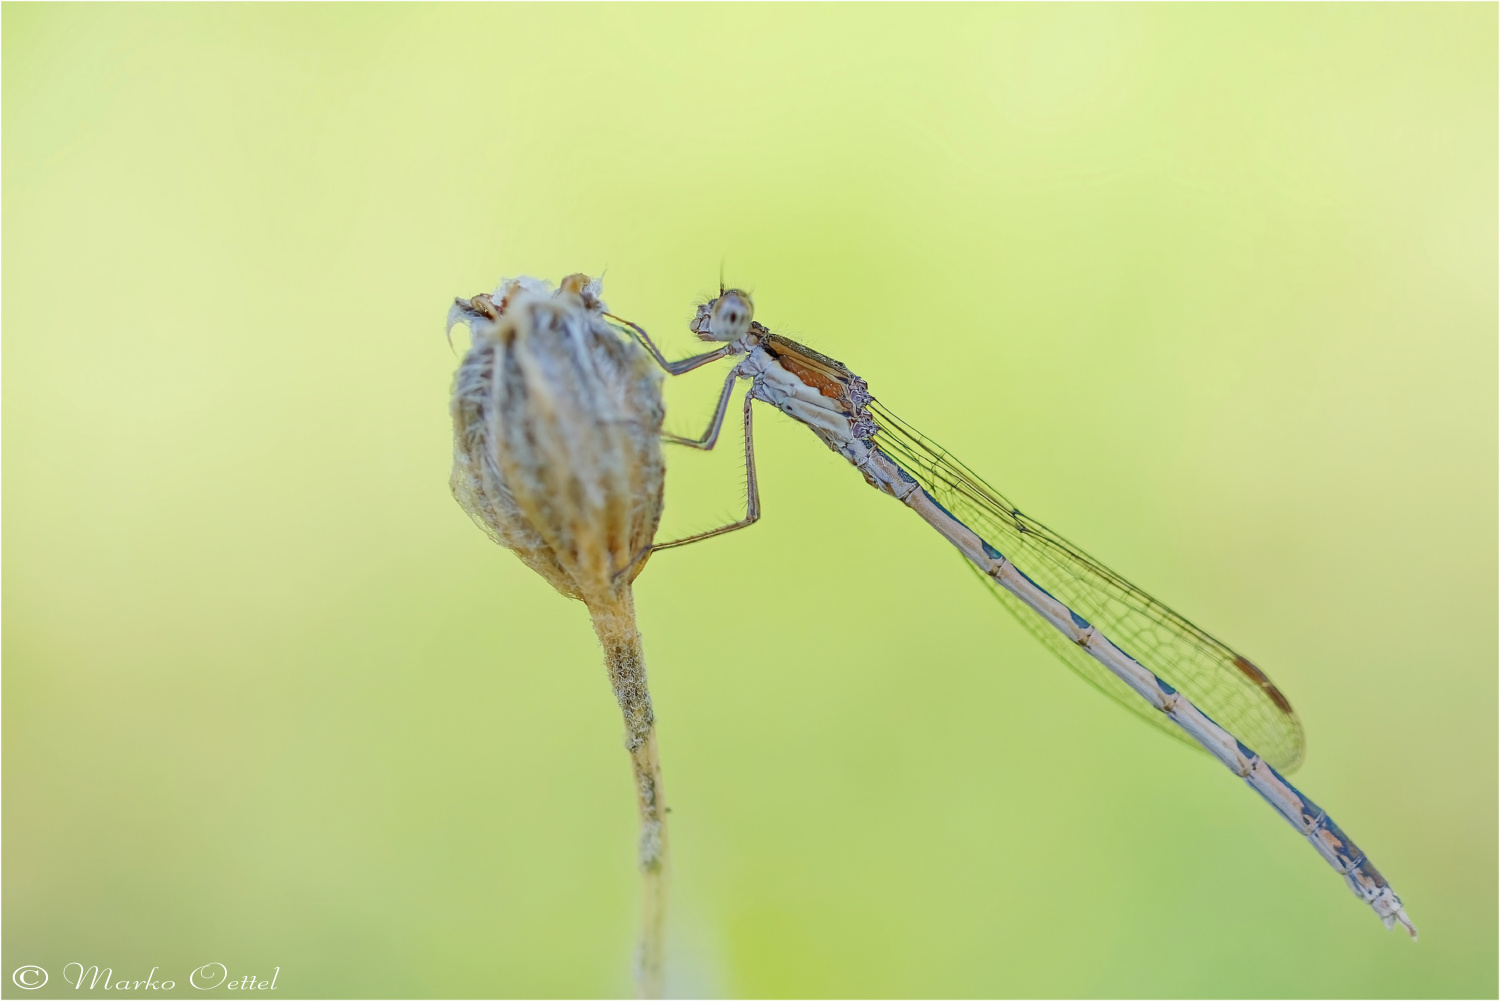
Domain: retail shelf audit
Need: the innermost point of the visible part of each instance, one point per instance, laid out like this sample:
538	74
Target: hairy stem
614	623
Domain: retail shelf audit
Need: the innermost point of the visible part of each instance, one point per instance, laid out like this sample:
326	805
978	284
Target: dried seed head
556	424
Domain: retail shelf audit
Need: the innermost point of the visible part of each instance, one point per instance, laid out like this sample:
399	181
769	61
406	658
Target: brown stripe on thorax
816	370
829	387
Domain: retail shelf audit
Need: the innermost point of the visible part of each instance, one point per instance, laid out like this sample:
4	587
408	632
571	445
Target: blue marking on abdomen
989	550
1042	589
995	554
935	502
1347	851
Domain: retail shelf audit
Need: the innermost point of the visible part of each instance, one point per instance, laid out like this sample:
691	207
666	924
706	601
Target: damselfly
1119	638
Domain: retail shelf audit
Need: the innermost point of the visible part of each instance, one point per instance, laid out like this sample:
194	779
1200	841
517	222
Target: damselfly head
725	318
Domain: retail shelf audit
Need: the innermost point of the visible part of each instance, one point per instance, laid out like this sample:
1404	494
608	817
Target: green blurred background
1211	289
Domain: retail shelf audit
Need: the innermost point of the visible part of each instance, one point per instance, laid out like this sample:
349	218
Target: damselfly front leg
673	367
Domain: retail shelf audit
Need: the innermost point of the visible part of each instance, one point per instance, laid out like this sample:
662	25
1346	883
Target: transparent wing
1219	681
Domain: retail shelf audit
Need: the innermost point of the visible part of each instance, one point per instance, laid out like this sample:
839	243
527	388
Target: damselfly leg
752	486
752	506
672	367
711	436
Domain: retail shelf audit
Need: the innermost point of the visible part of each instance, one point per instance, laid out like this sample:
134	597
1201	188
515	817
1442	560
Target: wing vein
1221	682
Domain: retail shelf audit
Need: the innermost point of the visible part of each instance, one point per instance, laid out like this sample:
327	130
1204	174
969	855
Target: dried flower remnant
556	421
556	456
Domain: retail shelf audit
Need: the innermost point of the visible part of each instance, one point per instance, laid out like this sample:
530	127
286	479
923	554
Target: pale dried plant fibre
557	456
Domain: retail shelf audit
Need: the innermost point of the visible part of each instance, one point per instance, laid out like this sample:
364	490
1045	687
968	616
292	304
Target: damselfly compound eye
730	316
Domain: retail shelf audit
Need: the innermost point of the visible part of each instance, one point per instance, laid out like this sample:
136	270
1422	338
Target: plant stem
614	623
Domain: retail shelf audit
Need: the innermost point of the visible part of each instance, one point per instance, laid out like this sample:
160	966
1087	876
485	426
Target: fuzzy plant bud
556	434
